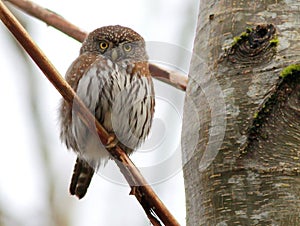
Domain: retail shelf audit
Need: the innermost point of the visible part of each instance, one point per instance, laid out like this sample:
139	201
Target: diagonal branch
52	19
143	192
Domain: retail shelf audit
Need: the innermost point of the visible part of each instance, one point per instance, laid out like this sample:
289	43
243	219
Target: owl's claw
111	142
133	190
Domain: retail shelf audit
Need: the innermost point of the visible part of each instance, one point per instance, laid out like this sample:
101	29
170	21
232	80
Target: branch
140	188
53	19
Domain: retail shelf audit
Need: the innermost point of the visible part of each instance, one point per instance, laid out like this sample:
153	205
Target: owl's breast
123	103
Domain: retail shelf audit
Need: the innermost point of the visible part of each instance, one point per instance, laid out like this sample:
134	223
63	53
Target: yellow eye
103	45
127	47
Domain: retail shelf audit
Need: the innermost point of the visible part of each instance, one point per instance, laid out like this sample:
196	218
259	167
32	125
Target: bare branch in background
50	18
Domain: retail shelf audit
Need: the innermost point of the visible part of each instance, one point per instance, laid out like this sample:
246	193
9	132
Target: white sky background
22	173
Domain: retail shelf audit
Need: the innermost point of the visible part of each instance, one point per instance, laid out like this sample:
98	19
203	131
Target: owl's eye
103	45
127	47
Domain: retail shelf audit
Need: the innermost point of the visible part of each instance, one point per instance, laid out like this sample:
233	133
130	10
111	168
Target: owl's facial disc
119	51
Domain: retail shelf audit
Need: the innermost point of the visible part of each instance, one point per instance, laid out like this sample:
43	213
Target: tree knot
253	47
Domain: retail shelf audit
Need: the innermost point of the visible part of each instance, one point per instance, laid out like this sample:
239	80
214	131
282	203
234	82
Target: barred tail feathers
81	178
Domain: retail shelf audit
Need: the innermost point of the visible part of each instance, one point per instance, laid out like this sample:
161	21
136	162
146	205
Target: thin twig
145	193
50	18
53	19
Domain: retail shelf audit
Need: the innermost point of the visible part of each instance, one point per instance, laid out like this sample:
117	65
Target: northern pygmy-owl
111	76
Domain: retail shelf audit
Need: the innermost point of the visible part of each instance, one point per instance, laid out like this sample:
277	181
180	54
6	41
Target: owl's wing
83	172
75	72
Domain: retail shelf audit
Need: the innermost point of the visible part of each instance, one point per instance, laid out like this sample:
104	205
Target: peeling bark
241	125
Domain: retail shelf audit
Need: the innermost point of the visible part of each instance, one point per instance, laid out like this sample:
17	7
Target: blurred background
35	168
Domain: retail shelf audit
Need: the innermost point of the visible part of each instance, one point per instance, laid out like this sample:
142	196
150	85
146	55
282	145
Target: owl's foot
134	190
112	142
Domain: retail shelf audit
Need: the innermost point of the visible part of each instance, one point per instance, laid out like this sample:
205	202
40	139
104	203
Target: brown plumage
111	76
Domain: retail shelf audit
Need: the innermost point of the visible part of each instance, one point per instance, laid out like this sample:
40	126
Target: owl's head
116	43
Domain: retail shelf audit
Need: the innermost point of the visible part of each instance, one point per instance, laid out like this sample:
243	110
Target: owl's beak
114	55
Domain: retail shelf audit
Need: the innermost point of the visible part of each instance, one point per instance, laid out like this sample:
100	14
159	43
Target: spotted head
116	43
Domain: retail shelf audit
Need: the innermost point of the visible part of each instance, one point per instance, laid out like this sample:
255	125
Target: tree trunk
241	125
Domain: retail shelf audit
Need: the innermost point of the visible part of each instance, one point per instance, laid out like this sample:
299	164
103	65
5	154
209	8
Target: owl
111	76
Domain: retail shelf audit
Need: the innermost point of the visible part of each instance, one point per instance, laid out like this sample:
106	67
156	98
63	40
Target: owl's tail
81	178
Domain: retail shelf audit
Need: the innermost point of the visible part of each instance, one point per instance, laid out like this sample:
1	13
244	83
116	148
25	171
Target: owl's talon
133	190
111	142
